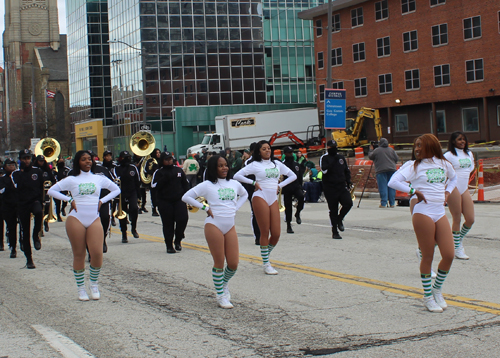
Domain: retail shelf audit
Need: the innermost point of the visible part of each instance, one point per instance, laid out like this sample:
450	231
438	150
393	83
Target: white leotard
463	164
85	190
266	173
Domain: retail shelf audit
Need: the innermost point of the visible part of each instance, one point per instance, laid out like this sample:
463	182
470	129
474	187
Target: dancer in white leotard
460	201
83	226
267	172
428	176
224	197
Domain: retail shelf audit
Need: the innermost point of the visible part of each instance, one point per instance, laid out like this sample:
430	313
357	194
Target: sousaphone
49	148
142	144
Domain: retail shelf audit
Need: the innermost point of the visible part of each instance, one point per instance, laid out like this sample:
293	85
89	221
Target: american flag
50	94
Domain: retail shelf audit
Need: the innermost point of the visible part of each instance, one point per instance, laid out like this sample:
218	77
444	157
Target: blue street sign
335	108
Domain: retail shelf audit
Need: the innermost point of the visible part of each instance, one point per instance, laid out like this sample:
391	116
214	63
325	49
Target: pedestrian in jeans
385	159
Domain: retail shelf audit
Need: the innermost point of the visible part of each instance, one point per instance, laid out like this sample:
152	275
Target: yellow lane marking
452	300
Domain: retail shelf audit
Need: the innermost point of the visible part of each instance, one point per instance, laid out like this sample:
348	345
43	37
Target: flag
50	94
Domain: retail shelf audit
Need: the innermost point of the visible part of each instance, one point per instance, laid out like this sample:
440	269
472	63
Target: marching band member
108	163
42	164
224	197
460	201
293	189
428	176
28	182
171	184
130	184
82	226
62	172
267	171
150	168
9	204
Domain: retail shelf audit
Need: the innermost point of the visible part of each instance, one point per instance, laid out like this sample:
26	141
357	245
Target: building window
358	52
336	23
499	22
410	41
440	35
319	28
401	122
437	2
338	85
360	89
408	6
442	75
381	10
357	17
441	121
384	46
320	60
337	56
474	70
385	83
470	119
321	93
412	79
472	28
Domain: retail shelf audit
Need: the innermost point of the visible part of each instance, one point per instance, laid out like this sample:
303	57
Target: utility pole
7	102
33	103
328	132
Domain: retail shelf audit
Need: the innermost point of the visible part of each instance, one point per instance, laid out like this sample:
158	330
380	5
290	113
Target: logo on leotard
435	175
226	194
34	176
132	173
464	163
272	173
86	188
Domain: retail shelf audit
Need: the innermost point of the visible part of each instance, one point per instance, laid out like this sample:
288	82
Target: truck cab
213	142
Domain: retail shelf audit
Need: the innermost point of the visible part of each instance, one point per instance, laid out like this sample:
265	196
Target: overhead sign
145	127
335	108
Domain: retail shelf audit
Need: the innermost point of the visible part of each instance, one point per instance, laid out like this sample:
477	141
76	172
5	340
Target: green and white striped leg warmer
456	239
228	274
427	283
264	252
465	229
94	274
271	247
441	276
79	277
218	277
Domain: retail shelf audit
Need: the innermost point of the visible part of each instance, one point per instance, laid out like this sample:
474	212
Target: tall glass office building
88	61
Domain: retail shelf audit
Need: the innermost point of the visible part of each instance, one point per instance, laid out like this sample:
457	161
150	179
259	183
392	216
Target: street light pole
328	132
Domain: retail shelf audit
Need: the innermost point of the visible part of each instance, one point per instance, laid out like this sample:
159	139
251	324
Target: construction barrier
480	184
277	153
363	162
359	154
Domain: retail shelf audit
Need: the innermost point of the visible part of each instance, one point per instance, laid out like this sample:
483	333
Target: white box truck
237	131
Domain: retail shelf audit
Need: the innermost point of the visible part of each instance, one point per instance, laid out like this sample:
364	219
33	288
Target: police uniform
9	208
336	181
293	189
28	182
130	185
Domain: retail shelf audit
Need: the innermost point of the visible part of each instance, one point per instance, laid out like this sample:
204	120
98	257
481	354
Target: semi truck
237	131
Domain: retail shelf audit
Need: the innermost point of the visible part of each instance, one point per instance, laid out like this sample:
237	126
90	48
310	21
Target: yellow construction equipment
350	136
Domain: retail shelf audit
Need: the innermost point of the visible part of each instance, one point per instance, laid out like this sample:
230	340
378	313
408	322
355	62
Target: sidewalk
491	193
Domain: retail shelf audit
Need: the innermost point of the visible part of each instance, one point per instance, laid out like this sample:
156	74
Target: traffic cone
480	183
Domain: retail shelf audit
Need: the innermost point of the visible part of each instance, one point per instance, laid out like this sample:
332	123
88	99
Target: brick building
415	60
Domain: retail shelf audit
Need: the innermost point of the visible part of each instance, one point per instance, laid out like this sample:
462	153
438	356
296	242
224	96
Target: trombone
119	213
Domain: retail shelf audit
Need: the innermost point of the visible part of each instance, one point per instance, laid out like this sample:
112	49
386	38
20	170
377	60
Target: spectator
229	155
385	159
237	163
191	168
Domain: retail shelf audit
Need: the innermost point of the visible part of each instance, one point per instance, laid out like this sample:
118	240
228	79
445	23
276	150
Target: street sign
335	108
34	141
145	127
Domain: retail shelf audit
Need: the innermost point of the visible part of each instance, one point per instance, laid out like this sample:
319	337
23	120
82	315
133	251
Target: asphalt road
356	297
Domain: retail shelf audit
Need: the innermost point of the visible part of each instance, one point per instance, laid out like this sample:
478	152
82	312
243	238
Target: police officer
130	185
171	184
42	164
152	165
9	204
28	181
336	184
108	163
293	189
60	174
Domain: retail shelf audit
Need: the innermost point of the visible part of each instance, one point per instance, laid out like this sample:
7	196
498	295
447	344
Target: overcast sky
61	7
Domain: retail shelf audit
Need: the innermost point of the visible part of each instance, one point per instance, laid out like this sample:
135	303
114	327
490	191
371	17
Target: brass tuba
49	148
119	213
141	144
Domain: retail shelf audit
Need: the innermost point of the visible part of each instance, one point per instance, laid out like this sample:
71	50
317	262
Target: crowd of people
219	184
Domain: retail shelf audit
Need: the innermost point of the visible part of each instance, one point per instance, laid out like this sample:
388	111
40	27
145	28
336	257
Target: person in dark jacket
28	181
48	176
152	165
130	187
336	185
9	205
62	172
171	184
385	160
293	189
108	163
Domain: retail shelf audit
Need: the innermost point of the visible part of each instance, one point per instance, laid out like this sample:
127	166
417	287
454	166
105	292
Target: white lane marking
62	344
347	228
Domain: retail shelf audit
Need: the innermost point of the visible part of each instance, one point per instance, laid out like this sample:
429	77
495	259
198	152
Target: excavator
350	136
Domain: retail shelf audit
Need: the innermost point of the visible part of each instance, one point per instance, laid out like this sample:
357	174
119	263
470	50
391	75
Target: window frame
438	3
335	85
474	69
381	11
412	79
396	122
336	57
410	41
438	26
441	75
322	60
359	52
319	29
334	23
383	46
408	2
321	93
385	83
357	17
463	124
361	87
472	28
432	120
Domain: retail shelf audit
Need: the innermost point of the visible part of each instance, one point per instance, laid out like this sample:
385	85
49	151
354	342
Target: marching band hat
107	152
288	150
40	158
331	143
24	153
